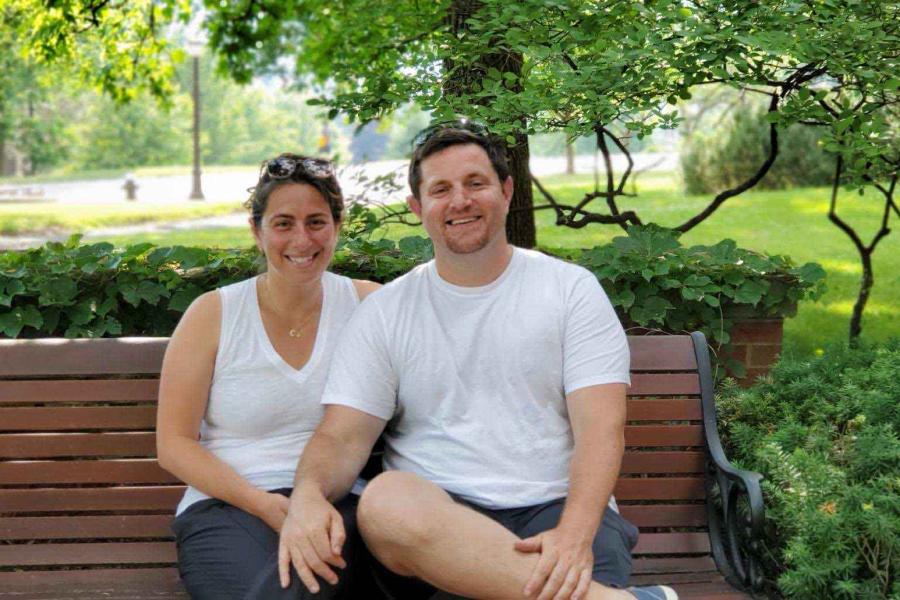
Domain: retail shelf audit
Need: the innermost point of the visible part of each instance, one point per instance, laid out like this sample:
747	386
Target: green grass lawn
790	222
26	218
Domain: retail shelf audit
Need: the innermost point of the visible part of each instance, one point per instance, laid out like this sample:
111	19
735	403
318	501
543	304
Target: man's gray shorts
612	546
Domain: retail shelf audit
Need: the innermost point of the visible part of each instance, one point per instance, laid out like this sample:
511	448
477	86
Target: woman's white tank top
261	411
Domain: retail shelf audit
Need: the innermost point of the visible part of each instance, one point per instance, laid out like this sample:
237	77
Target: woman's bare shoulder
365	287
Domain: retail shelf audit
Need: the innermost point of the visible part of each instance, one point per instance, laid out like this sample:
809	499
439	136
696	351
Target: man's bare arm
313	532
337	452
597	415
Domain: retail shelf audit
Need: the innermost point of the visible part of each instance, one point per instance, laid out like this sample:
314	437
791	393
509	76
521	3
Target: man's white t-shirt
473	380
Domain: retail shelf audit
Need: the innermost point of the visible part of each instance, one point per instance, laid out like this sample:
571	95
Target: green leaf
417	247
14	272
130	293
13	288
13	321
112	325
750	292
812	272
51	315
57	291
81	313
181	299
151	292
625	298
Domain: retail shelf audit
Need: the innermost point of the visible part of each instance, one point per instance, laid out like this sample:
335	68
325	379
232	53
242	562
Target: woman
240	388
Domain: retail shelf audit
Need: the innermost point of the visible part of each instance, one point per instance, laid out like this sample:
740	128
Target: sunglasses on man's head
284	167
464	124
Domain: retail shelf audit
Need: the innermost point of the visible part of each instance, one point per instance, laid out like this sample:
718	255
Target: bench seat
85	510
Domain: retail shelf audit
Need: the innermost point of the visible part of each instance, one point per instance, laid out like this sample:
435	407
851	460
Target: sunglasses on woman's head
463	124
284	167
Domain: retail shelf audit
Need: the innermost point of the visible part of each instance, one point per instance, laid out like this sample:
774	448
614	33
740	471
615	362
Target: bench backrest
80	487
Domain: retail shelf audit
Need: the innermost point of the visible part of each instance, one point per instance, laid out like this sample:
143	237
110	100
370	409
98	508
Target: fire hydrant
130	187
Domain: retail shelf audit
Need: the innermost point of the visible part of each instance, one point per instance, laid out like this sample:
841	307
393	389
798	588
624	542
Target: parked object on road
130	187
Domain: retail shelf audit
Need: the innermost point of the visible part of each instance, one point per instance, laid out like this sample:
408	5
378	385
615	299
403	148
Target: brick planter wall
756	343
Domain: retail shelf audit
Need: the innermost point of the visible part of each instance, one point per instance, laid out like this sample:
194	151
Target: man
498	377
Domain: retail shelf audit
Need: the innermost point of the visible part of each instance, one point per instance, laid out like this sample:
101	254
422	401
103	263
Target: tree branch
740	189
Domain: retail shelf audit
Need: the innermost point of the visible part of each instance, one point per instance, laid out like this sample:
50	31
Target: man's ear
414	205
508	189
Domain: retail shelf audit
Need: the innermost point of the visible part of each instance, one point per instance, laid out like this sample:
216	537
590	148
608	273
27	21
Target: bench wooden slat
664	410
77	418
145	470
52	445
664	384
660	488
101	390
85	357
663	462
133	584
113	553
664	435
138	498
718	589
662	353
84	527
672	543
143	444
705	577
681	564
665	515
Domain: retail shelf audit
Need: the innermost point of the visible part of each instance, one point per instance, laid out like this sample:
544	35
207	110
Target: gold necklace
296	332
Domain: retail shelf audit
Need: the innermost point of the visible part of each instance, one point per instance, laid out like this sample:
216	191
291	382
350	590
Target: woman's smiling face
297	232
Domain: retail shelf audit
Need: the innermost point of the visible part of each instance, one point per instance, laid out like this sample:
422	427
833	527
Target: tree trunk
462	79
520	229
865	288
570	158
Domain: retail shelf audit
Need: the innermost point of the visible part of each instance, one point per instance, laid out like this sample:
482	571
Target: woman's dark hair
289	168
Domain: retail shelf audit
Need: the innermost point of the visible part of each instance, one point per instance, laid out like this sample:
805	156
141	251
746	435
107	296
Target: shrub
655	282
824	433
96	290
721	159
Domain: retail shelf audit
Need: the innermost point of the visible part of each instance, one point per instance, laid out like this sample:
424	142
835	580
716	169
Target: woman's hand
272	508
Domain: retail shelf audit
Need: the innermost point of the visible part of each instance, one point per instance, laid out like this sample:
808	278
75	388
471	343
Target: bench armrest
736	521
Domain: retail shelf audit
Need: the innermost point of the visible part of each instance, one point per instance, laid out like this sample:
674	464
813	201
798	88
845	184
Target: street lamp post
194	48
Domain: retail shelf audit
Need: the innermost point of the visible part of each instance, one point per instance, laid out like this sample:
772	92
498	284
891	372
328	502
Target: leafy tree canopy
584	63
117	47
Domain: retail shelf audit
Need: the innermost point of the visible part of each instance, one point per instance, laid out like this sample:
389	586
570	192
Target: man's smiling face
463	205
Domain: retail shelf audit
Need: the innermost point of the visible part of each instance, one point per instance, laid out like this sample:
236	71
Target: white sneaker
653	592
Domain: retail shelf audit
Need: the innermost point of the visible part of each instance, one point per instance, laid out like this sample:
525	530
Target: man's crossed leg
428	539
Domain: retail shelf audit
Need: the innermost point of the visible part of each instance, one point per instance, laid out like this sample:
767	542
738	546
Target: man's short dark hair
448	136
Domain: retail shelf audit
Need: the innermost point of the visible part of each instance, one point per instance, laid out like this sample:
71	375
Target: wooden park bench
85	509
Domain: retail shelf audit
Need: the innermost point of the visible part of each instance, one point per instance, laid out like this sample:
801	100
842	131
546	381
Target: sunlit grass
25	218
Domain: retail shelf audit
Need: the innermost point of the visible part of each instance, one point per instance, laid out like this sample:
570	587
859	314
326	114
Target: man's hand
273	509
565	566
311	539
